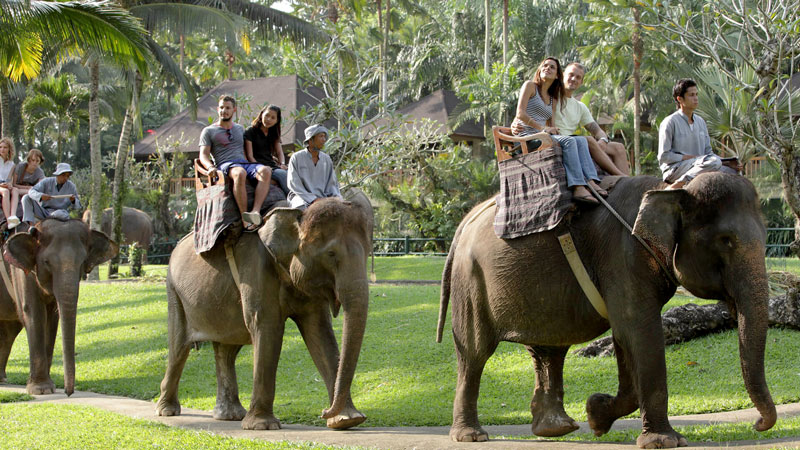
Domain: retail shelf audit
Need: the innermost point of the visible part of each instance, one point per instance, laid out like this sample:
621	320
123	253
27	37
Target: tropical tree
765	36
490	96
56	105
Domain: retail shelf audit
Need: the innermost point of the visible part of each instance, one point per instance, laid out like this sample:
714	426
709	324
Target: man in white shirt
311	175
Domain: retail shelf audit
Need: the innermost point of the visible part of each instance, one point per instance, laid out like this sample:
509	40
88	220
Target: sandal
600	191
586	198
251	218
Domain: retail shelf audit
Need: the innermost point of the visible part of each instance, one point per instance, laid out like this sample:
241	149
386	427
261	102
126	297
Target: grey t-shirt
226	145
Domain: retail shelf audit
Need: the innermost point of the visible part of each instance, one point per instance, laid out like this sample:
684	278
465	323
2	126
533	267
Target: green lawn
50	426
403	378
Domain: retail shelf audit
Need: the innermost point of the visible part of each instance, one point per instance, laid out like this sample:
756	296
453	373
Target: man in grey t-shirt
684	146
224	140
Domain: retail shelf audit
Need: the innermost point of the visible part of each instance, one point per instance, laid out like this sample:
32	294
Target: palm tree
55	104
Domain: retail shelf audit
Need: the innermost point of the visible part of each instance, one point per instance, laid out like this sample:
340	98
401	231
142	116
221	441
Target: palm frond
272	23
169	68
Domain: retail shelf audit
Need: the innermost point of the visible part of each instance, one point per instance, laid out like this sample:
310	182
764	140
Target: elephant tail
445	294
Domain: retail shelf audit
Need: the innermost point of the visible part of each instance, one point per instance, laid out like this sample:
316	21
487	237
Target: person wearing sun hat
311	174
52	197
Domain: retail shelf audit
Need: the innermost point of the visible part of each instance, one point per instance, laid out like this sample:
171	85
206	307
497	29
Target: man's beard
223	119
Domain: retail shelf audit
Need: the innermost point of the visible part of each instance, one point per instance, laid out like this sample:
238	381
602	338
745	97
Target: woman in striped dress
535	108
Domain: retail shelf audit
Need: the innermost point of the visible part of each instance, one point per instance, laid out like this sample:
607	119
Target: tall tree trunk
487	37
94	148
637	89
387	26
505	32
5	107
181	53
120	188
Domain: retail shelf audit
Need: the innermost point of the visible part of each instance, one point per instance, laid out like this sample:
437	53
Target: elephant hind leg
603	409
179	347
228	406
471	362
8	333
547	405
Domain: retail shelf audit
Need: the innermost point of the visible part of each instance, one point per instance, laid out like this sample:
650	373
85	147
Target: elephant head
59	253
323	254
713	235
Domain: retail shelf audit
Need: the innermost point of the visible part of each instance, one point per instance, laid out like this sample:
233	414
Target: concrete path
421	438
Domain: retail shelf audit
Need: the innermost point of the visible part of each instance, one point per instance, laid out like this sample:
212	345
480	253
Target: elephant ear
659	219
281	235
20	250
100	250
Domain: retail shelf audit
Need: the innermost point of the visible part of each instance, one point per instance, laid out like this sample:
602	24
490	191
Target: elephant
302	266
45	266
710	236
137	226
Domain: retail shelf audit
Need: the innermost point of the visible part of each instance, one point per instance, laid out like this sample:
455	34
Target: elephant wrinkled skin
710	234
46	266
321	267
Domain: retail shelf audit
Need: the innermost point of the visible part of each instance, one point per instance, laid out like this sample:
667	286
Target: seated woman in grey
537	99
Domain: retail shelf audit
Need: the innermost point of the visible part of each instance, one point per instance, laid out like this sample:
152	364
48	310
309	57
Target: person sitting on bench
224	140
537	102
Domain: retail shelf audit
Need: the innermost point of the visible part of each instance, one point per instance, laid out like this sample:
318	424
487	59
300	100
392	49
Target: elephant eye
727	240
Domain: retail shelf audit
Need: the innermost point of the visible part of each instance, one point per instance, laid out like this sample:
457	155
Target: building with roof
288	92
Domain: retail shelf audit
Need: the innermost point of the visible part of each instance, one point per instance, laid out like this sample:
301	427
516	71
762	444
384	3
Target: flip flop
253	218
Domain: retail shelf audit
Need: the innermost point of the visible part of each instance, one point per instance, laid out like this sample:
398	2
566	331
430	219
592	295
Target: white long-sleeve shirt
308	181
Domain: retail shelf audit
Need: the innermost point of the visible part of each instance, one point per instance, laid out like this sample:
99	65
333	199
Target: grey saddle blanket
533	194
216	212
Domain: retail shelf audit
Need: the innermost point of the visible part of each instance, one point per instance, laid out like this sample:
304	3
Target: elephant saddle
216	213
533	194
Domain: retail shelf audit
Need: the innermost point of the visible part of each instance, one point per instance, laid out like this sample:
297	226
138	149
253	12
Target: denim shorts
250	168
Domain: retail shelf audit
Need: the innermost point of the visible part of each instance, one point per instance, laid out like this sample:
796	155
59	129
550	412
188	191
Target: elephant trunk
752	314
355	301
67	299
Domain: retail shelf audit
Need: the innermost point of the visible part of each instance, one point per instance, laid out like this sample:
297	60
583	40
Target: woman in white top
6	171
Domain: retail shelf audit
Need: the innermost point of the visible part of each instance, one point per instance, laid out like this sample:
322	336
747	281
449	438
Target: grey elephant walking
46	266
319	266
137	226
710	235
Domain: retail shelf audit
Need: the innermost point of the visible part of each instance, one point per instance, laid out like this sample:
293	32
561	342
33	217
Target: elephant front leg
267	341
8	333
603	409
317	332
644	343
228	406
547	405
36	326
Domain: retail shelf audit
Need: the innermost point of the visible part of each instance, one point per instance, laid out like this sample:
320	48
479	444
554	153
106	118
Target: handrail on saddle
204	177
505	143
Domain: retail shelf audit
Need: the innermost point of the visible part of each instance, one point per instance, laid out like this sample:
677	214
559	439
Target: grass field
403	378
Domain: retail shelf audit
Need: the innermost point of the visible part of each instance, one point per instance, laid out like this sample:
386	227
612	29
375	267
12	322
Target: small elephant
710	236
302	266
45	266
137	226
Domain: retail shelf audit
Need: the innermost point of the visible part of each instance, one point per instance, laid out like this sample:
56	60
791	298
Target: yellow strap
578	269
7	281
232	265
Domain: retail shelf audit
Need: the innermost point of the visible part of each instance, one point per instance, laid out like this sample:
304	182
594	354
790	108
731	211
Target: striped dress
538	111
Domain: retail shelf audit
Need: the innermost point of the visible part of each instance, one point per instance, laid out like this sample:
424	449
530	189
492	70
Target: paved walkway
420	438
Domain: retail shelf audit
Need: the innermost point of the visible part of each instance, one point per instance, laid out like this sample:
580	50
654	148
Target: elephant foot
229	412
168	408
41	388
468	434
261	422
552	424
599	409
348	418
665	439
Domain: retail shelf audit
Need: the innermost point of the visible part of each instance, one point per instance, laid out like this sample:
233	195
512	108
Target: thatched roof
438	106
287	92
